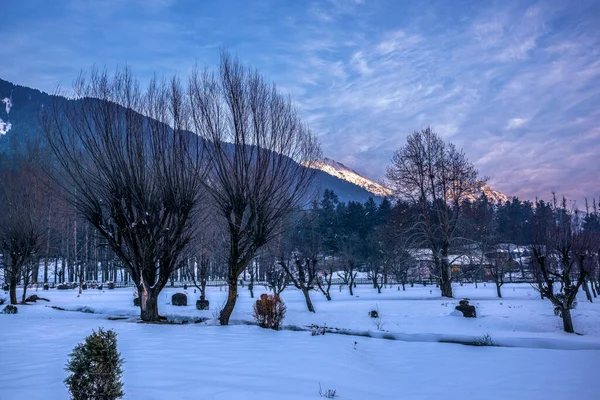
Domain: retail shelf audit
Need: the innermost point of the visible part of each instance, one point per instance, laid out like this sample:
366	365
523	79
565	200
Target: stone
179	299
373	314
202	304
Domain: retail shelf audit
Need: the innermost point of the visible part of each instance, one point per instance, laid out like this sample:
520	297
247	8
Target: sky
515	84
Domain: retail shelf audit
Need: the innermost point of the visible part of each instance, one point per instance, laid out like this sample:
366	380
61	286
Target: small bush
485	340
269	311
5	288
202	304
179	299
46	286
318	330
327	393
2	301
378	320
95	368
10	309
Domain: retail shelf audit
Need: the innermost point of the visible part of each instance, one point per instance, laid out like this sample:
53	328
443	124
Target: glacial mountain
342	172
19	123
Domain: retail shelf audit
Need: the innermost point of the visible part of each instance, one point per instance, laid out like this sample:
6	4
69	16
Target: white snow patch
8	103
4	127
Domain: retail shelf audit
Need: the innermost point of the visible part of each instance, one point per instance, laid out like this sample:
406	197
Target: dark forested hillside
26	103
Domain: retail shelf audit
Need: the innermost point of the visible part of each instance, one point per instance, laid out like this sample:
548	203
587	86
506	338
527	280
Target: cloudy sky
516	84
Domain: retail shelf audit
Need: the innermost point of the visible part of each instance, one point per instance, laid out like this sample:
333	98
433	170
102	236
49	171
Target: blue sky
516	84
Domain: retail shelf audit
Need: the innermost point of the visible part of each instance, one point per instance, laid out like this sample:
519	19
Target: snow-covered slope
340	171
493	195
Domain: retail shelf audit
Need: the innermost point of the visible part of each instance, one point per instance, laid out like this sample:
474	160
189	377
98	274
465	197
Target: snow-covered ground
242	361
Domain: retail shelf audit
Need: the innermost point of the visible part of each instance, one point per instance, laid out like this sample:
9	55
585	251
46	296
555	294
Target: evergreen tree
95	368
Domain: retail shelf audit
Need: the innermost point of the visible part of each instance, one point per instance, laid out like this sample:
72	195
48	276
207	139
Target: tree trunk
498	291
24	296
309	303
203	290
350	286
46	270
586	289
446	277
148	304
13	291
231	299
403	286
567	321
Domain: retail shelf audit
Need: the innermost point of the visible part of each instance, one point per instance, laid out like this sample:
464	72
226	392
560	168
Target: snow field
241	361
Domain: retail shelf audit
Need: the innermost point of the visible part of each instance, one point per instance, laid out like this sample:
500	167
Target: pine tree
95	368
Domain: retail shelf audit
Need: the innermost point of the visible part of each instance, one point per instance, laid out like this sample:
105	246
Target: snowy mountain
493	195
340	171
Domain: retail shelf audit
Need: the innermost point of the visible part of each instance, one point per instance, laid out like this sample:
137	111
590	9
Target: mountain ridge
341	171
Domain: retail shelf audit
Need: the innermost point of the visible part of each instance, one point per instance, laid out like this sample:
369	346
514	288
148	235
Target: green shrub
95	368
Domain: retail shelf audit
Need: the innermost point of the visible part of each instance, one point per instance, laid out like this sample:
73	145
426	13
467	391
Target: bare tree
562	255
349	247
257	145
435	177
300	253
22	200
324	278
277	279
134	171
302	273
499	262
